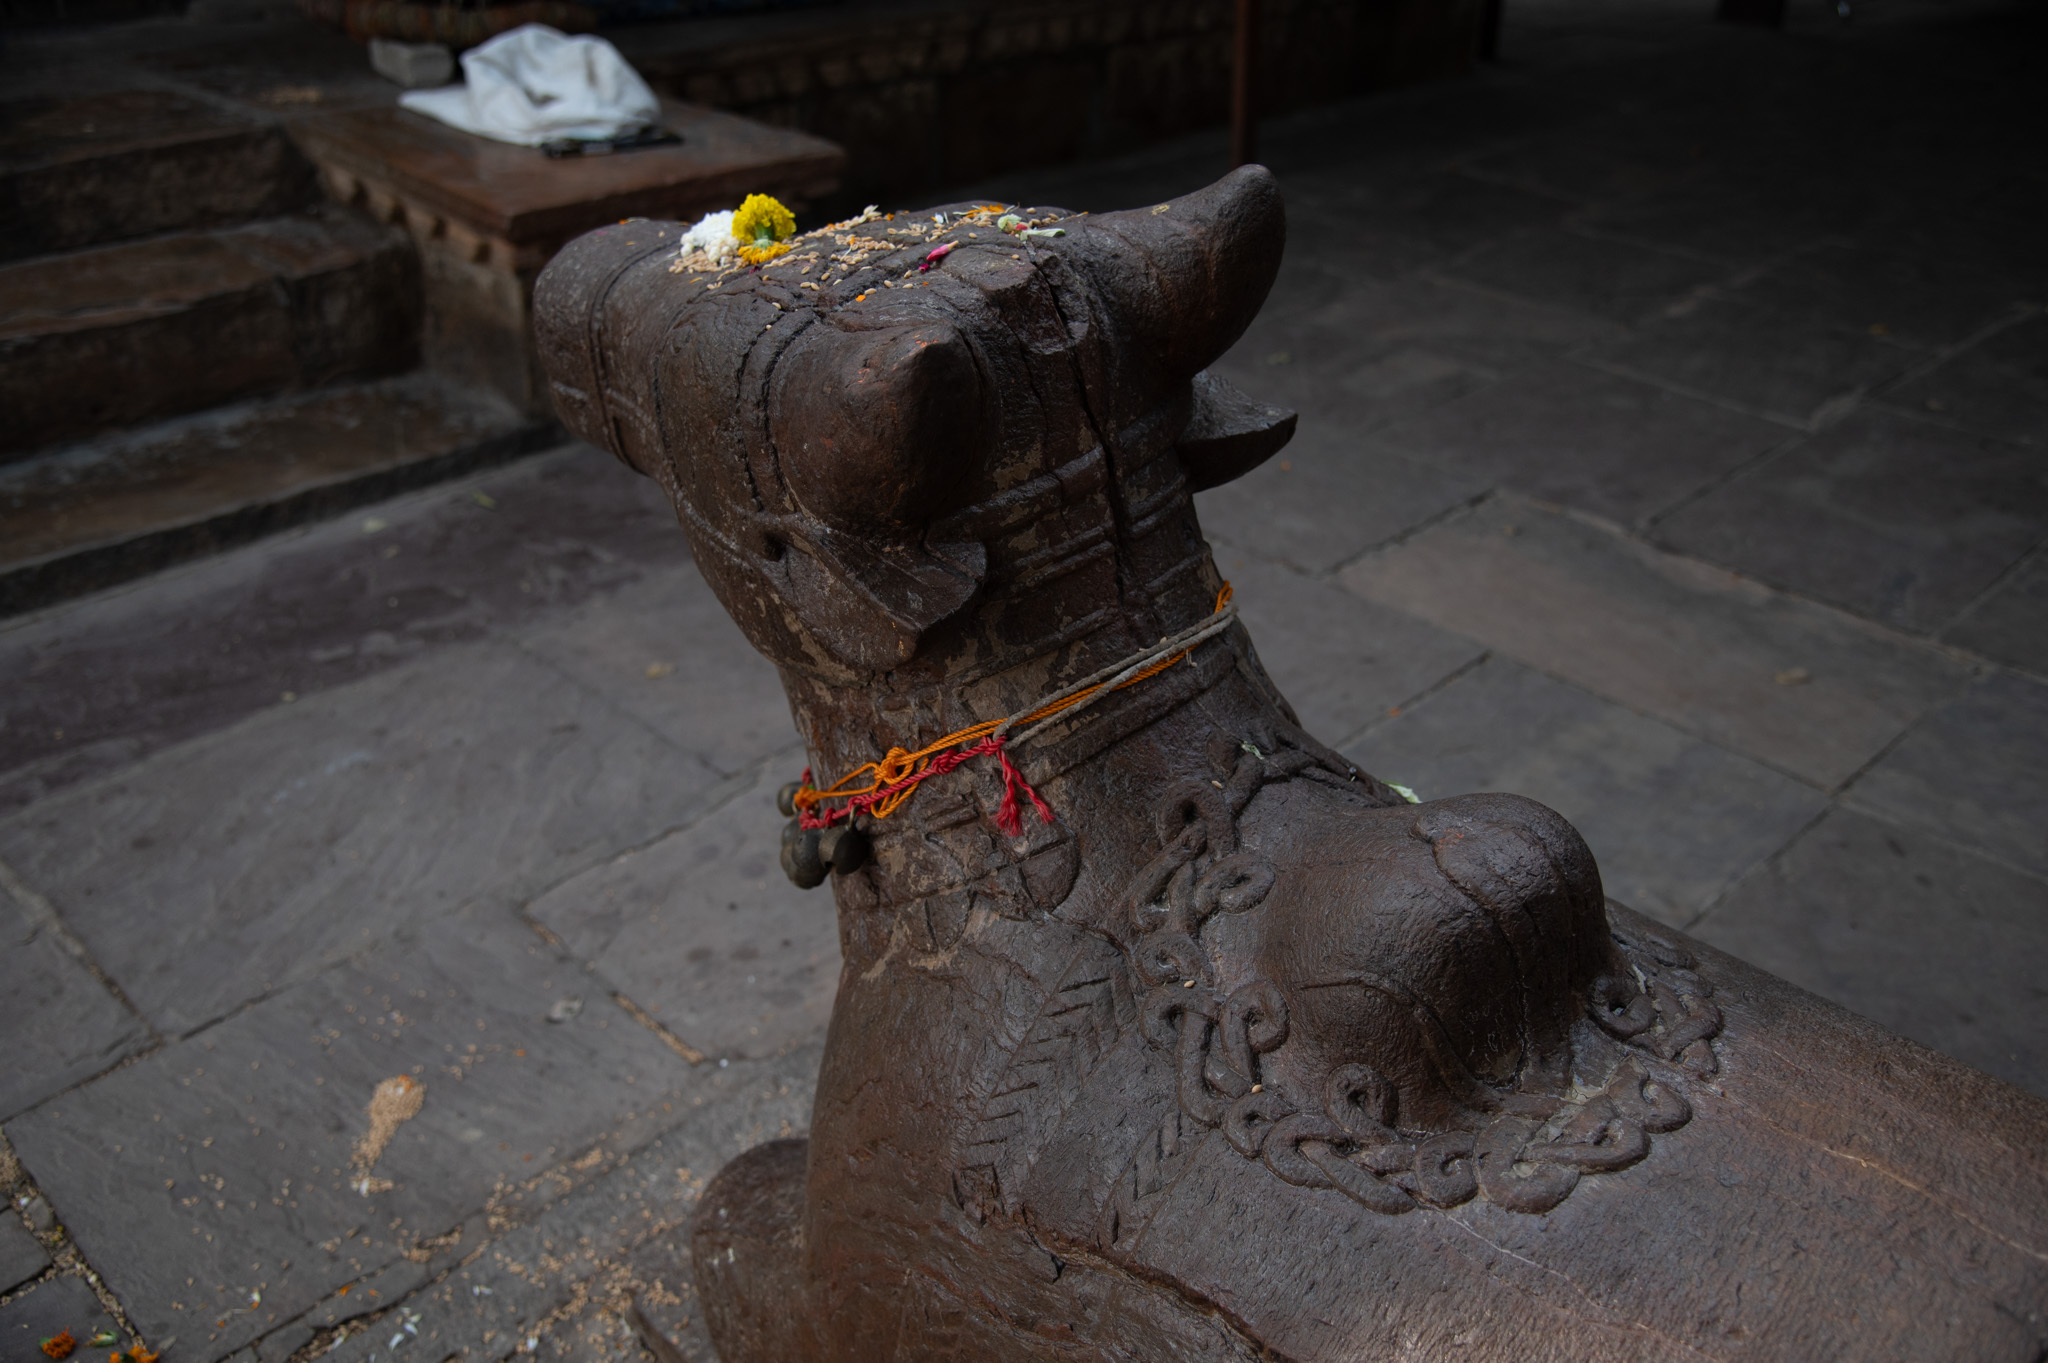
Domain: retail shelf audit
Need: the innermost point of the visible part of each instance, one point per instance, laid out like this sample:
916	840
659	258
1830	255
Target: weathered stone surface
1774	364
61	1303
1739	218
1329	497
222	1166
2010	624
1977	394
1673	638
21	1256
104	683
602	1244
666	652
1590	440
61	1025
1607	278
1381	352
77	170
1677	821
312	831
1923	299
121	334
132	504
1896	519
1341	662
1974	772
704	931
1857	905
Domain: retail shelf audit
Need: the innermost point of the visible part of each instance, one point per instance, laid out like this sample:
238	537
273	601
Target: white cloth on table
533	84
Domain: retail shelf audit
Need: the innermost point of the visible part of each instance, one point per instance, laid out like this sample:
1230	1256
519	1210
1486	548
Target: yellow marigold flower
761	255
762	221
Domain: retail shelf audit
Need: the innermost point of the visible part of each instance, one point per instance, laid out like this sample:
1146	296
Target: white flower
712	237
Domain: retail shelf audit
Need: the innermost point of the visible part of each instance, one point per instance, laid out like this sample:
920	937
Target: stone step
122	334
88	516
89	169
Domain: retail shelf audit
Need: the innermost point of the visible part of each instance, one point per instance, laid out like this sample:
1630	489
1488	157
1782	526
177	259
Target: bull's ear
1183	279
1230	433
877	431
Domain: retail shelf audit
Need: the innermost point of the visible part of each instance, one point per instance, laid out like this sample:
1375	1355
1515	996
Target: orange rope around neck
895	778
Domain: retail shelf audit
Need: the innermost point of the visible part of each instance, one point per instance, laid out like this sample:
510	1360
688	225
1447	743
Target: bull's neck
969	681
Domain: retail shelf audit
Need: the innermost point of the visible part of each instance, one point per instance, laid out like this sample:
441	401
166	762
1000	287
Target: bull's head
879	463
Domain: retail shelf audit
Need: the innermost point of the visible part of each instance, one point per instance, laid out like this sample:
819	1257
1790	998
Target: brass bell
800	859
844	848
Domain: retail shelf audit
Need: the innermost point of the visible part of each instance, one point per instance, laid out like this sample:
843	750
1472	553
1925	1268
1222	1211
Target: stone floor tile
1896	519
1923	300
1690	644
1381	351
1906	929
60	1025
1327	498
1974	771
100	683
1341	662
1766	362
48	1308
1614	279
1445	209
1594	441
21	1256
223	1165
704	931
664	651
1673	821
1742	219
1999	387
2011	623
267	851
1339	247
594	1244
1578	163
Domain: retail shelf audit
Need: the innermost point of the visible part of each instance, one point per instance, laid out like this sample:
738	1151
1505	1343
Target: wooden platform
488	215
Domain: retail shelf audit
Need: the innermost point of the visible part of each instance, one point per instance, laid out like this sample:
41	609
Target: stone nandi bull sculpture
1240	1056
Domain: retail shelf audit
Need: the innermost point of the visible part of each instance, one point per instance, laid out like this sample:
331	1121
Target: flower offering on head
762	226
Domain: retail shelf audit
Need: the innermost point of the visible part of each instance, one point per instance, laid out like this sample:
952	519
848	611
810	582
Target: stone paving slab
1899	926
60	1024
1380	352
1672	821
1589	440
1974	771
265	852
1739	217
54	1305
219	1171
1615	279
1341	662
1698	648
496	1302
21	1256
1920	299
704	931
1975	393
1328	497
1896	519
666	652
101	683
2010	622
1773	364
